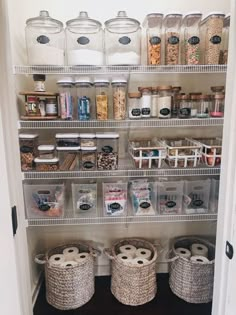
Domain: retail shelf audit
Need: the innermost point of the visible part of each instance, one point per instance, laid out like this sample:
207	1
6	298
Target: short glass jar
195	104
134	105
184	106
145	101
164	102
101	98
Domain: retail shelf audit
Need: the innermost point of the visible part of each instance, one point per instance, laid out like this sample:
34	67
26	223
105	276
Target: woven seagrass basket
71	287
190	280
131	284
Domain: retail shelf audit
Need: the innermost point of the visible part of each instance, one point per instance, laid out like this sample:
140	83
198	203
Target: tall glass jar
122	40
218	105
203	109
195	103
164	101
84	41
155	97
146	101
184	106
84	98
119	87
174	102
191	29
153	25
45	40
101	98
134	105
225	41
172	23
65	86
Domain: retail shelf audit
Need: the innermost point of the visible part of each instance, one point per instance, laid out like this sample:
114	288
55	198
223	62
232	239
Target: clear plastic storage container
46	151
102	98
146	101
88	158
115	199
134	105
214	195
107	151
68	158
47	165
185	107
153	25
225	41
65	86
175	102
88	140
45	40
122	40
164	102
84	199
67	139
85	102
119	87
84	41
203	108
28	151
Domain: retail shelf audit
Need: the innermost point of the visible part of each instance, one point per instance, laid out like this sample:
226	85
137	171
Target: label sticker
83	40
42	39
88	164
194	40
125	40
164	111
136	112
155	40
170	204
146	111
173	40
85	207
215	39
145	205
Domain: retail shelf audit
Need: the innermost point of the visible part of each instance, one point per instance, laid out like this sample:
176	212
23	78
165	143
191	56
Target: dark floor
103	302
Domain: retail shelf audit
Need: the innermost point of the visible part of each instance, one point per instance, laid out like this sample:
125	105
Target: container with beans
68	158
67	139
28	151
46	151
119	87
107	151
88	158
101	98
47	165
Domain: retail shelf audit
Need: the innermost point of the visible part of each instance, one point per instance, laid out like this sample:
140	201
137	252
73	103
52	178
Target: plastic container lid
28	136
84	24
119	81
67	148
49	147
87	135
107	135
83	80
153	20
67	135
122	22
88	148
66	80
98	81
214	13
47	161
44	20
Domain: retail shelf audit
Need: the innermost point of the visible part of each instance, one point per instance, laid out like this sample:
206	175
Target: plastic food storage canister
164	101
153	25
184	106
84	41
88	139
88	158
146	101
191	29
47	165
84	98
107	151
67	139
218	105
46	151
225	41
65	86
172	23
45	40
28	150
174	102
119	98
68	158
101	98
134	105
122	40
211	28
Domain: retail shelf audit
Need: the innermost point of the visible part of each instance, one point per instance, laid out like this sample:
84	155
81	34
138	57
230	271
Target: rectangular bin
107	150
170	197
214	195
115	199
84	199
67	139
211	150
44	201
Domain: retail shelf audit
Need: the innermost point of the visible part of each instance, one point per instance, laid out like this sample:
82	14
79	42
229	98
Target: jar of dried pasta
119	87
101	92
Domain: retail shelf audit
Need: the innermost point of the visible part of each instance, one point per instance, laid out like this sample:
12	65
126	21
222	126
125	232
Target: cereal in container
119	98
101	98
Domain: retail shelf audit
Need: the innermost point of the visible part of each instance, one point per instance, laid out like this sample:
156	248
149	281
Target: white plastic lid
83	80
65	80
192	13
87	135
107	135
67	135
67	148
118	81
27	136
97	81
179	14
49	147
47	161
88	148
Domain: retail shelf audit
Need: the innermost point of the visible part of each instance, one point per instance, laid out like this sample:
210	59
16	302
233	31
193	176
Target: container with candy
115	198
84	199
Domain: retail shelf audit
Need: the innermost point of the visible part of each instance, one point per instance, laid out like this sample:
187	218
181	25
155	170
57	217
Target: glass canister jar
65	86
172	23
28	150
218	105
203	109
191	29
174	102
146	101
101	98
45	40
119	87
164	101
84	41
155	96
153	25
184	106
225	41
107	150
134	105
122	40
84	98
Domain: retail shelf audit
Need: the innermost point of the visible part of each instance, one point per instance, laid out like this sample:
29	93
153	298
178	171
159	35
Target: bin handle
40	259
108	253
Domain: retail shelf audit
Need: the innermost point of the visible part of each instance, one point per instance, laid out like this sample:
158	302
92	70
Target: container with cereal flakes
119	87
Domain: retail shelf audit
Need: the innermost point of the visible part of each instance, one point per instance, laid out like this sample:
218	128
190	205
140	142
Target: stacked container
107	151
65	86
119	87
84	98
28	150
101	98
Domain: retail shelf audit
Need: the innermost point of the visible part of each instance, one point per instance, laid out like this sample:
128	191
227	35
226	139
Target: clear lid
67	149
87	135
28	136
49	147
213	14
45	21
67	135
119	81
153	20
122	24
65	80
173	20
191	18
88	148
83	24
107	135
47	161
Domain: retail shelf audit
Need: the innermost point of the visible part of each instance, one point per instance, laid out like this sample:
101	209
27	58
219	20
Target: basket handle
108	253
95	252
40	259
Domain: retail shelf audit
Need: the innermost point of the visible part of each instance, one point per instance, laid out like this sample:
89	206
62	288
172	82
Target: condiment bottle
146	101
164	101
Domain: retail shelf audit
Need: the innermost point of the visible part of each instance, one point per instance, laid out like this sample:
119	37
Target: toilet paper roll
128	249
199	259
143	253
199	250
81	257
125	257
70	251
57	259
67	264
139	261
183	252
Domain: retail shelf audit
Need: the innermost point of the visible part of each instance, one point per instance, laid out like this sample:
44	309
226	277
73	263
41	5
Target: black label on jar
115	206
107	149
185	111
215	40
88	164
173	40
155	40
170	204
85	207
44	207
197	203
42	39
165	111
136	112
125	40
26	149
146	111
145	205
83	40
194	40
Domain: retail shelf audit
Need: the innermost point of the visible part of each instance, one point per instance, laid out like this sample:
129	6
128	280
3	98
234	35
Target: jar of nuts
28	151
119	98
102	96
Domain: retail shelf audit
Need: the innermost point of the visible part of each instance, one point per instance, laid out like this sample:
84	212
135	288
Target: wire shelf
21	69
121	124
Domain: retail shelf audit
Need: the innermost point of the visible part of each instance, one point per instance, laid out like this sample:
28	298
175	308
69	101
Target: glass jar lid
134	95
176	88
122	24
219	96
66	81
45	21
145	89
204	97
83	24
165	88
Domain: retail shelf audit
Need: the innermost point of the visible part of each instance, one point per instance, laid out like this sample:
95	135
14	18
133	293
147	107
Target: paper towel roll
199	259
128	249
66	264
125	257
81	257
139	261
183	252
57	259
143	253
199	250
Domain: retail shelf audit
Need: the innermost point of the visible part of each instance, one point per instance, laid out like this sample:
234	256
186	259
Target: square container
115	199
170	197
68	158
84	199
211	150
28	151
147	153
88	158
67	139
196	196
214	195
46	151
88	140
47	165
44	201
107	150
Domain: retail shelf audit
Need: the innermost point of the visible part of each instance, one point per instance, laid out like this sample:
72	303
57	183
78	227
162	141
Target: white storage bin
211	150
170	197
196	196
44	201
115	199
214	195
84	199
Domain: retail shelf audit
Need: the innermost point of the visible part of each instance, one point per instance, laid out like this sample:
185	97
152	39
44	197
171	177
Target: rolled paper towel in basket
70	253
199	259
128	249
56	260
139	261
125	257
199	250
183	252
66	264
143	253
81	257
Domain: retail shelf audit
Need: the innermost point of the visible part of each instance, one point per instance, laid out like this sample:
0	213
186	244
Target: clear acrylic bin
170	197
68	158
211	150
196	196
84	199
214	195
67	139
115	199
44	201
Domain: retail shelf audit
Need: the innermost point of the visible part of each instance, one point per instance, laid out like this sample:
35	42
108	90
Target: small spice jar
51	107
145	101
46	151
88	158
28	150
184	106
39	82
164	101
155	96
102	97
107	150
134	105
47	165
203	106
174	102
88	139
218	105
119	87
68	158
